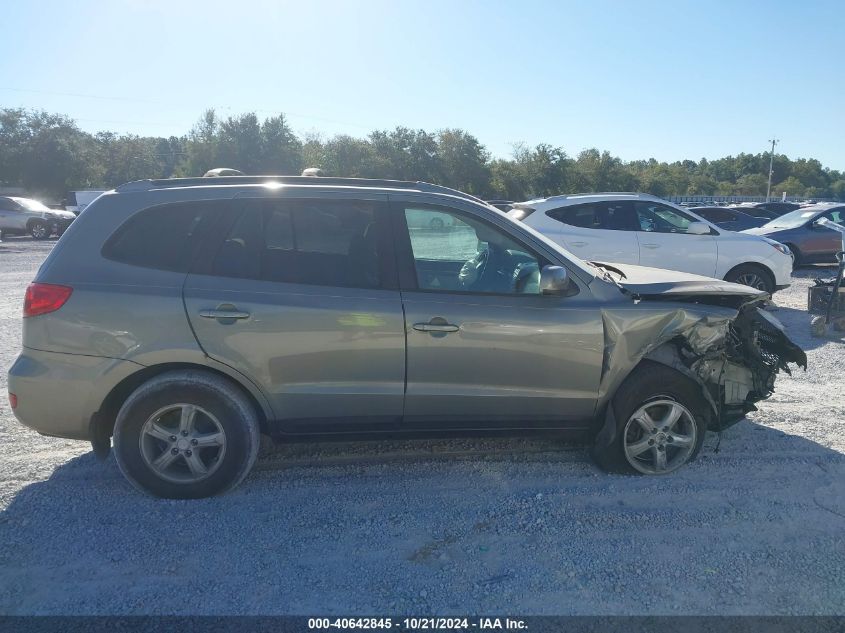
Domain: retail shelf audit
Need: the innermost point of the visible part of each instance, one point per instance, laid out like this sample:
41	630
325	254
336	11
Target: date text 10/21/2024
418	623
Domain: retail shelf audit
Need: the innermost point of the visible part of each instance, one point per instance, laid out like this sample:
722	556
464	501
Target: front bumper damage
732	353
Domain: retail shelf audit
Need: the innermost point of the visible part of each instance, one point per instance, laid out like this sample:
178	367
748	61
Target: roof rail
146	185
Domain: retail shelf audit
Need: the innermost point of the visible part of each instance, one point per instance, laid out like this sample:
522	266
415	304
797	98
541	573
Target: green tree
792	186
281	150
463	163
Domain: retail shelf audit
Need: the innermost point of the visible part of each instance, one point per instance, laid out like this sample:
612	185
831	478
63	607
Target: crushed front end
739	370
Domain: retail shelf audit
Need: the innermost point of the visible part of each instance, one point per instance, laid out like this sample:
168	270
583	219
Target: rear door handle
578	243
224	313
651	245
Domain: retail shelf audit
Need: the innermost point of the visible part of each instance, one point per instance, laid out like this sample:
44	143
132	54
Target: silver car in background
19	216
180	319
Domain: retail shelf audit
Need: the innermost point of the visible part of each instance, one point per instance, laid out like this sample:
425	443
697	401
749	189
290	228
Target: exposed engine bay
715	332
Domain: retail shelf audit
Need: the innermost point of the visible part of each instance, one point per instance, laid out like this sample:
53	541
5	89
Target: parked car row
181	319
800	231
19	216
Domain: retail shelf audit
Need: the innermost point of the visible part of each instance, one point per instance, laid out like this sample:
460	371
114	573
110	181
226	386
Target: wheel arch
102	422
666	355
31	221
753	264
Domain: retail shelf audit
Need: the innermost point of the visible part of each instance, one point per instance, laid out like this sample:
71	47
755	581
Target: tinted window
7	205
716	215
164	237
467	255
658	218
612	216
327	243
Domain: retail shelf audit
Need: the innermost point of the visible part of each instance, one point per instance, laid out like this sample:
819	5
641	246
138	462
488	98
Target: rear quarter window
164	237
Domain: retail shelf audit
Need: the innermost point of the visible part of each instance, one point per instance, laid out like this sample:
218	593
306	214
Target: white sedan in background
636	228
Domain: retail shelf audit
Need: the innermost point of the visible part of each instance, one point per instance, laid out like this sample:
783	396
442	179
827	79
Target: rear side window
163	237
611	216
317	242
716	215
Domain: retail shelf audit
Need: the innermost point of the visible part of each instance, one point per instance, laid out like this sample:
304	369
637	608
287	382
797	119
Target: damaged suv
181	319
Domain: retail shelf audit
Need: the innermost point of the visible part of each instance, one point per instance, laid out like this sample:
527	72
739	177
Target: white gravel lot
498	526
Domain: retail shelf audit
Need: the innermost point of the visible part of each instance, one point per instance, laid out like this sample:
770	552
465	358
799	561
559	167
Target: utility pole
773	141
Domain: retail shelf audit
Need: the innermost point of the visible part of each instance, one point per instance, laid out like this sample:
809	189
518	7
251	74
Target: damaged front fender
734	354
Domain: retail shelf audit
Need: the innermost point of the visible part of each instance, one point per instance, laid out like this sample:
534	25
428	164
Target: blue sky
671	79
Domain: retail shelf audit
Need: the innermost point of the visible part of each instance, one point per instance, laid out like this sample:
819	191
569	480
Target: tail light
44	298
13	400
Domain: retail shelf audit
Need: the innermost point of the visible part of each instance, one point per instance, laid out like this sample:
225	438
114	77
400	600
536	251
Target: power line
774	142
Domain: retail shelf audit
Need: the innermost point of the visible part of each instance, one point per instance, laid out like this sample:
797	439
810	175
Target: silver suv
19	216
183	318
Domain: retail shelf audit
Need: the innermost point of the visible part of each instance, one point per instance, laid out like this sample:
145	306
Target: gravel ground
499	526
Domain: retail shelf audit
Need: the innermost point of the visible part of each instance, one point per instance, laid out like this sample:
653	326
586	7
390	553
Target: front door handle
225	311
578	243
437	324
651	246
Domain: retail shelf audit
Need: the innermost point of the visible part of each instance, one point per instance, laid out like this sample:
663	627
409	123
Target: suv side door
664	242
298	293
597	231
823	242
485	349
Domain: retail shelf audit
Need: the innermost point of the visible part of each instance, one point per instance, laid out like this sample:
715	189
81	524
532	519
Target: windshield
30	205
792	219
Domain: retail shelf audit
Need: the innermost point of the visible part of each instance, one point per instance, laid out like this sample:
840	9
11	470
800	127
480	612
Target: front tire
39	230
661	419
186	435
752	275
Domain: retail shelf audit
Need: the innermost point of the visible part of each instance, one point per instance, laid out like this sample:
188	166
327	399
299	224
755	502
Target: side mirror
698	228
554	280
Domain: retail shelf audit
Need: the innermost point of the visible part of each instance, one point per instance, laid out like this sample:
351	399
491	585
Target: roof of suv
578	198
275	180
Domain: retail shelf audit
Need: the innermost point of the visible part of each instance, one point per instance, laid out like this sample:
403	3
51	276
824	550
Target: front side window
464	254
163	237
609	216
837	215
658	218
316	242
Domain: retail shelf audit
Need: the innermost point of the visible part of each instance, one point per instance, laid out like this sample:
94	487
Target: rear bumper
57	394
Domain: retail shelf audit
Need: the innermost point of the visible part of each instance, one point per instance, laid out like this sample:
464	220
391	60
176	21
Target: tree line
48	154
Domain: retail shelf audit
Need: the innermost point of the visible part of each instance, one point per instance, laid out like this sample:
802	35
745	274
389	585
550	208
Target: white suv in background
636	228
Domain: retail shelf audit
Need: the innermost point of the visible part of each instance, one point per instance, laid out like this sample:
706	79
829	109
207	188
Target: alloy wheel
183	443
753	280
660	436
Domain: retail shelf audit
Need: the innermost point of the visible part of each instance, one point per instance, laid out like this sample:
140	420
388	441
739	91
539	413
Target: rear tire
186	435
638	443
752	275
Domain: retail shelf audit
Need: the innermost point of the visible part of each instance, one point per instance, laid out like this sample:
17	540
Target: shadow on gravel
797	323
500	527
